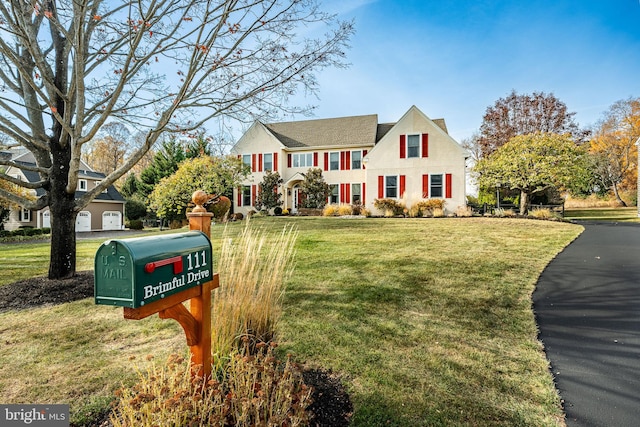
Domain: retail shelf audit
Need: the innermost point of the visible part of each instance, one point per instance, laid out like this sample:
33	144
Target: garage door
46	219
111	220
83	221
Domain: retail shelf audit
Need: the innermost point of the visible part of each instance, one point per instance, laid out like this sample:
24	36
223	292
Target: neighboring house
361	160
105	212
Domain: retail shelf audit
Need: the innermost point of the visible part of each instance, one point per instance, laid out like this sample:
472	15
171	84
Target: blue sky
454	58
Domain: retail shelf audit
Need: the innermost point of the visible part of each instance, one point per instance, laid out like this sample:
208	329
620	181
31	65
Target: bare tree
67	67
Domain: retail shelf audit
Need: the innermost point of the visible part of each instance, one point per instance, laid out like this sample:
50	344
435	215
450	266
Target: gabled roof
343	131
112	194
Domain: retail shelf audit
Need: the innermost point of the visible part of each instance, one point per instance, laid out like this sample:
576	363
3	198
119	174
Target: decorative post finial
199	198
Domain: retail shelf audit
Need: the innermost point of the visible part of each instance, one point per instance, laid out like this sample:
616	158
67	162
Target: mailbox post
157	274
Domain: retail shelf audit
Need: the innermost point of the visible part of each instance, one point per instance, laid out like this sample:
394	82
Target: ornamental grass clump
542	213
330	210
248	390
344	210
253	268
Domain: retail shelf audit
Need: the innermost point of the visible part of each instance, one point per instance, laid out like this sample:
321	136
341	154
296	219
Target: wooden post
196	321
200	307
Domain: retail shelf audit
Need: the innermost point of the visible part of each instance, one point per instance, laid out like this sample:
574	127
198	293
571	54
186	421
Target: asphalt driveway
587	305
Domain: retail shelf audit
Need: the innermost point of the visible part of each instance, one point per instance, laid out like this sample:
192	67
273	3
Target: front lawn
603	214
428	321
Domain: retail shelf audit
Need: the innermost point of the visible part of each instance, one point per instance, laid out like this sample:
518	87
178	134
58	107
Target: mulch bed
331	405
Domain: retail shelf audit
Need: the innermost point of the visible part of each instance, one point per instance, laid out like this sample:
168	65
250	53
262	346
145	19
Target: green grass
428	321
603	214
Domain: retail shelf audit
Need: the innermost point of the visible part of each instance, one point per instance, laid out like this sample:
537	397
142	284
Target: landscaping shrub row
27	231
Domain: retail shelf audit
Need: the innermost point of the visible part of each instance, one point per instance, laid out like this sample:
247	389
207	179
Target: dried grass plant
253	267
248	390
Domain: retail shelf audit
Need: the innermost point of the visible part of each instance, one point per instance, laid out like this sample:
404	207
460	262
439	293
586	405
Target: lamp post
498	185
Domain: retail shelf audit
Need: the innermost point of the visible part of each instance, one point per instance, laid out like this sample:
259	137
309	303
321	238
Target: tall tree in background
533	163
613	147
108	152
68	67
525	114
164	163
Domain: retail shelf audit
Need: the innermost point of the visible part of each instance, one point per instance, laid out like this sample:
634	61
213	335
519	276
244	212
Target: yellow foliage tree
613	147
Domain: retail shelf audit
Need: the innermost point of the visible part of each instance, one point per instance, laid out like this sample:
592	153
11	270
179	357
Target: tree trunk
524	201
62	264
617	194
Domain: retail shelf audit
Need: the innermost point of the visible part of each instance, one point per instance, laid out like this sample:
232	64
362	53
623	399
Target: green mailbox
135	272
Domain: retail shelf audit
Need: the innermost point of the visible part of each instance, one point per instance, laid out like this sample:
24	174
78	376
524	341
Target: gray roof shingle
343	131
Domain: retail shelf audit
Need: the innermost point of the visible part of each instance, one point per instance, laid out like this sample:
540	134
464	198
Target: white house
361	159
105	212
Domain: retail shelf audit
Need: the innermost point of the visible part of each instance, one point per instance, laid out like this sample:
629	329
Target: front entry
296	199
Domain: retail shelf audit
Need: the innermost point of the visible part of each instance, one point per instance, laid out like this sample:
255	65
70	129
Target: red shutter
326	161
342	193
425	145
363	194
380	186
239	156
315	159
289	160
253	195
403	185
342	160
253	163
260	162
239	196
347	193
403	146
448	186
425	186
347	158
275	162
364	153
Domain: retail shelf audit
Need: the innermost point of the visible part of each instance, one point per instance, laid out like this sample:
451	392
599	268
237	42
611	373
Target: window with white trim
334	194
356	194
82	185
413	146
303	160
356	160
436	185
334	161
391	186
267	161
24	215
246	195
246	159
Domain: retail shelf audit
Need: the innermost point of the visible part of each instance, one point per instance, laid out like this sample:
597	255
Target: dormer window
82	185
100	182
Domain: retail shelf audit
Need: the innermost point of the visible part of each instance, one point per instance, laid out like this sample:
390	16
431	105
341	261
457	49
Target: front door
296	199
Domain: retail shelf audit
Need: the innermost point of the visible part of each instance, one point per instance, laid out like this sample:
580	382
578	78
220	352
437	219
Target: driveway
587	305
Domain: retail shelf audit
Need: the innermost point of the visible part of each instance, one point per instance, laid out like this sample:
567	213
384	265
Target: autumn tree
108	152
268	195
315	188
214	175
532	164
613	148
70	67
521	114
